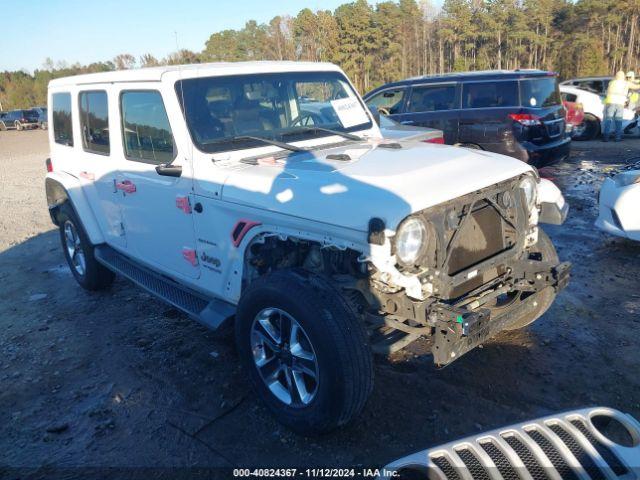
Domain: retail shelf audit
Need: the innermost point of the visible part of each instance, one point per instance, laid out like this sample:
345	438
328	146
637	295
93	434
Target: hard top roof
154	74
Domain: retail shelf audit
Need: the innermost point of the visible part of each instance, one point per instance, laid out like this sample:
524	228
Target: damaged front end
473	266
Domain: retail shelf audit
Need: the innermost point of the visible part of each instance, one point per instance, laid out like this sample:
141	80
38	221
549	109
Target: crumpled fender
553	207
62	187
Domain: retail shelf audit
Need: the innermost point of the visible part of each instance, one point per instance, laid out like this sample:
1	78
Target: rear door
484	118
95	163
434	106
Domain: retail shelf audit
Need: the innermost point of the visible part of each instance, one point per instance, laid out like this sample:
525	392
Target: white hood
374	181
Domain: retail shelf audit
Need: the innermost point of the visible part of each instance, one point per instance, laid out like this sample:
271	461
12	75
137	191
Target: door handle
408	122
127	186
169	170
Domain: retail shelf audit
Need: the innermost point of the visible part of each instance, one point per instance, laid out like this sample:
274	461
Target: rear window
539	92
62	131
490	94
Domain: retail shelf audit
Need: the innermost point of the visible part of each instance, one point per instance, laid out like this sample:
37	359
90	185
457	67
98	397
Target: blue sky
86	31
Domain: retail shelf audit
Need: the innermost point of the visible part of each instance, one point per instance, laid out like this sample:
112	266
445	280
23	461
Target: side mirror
376	114
169	170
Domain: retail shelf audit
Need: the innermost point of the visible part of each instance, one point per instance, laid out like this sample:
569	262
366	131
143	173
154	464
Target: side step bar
211	313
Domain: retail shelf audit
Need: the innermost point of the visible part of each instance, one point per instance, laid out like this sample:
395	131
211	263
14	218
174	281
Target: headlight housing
530	188
410	240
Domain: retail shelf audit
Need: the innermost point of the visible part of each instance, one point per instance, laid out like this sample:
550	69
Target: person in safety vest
614	104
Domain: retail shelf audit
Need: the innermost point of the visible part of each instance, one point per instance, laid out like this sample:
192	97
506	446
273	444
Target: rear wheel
545	249
305	350
590	128
78	251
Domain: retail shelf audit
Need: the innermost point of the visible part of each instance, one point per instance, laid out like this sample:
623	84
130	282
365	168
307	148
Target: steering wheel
305	119
383	111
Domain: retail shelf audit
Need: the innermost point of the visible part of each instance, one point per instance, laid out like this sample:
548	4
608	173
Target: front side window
490	94
145	127
94	121
221	112
388	102
62	130
432	98
539	92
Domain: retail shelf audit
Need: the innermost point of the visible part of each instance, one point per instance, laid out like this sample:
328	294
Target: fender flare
62	187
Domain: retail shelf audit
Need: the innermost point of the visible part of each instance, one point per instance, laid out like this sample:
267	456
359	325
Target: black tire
591	128
471	146
93	276
336	337
546	297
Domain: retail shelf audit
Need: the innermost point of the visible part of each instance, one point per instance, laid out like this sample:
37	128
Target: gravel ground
118	379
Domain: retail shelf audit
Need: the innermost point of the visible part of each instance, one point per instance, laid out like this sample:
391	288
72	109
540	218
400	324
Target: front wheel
19	126
544	249
305	350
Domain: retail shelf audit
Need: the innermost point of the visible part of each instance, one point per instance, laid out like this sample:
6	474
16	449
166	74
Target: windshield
539	92
273	106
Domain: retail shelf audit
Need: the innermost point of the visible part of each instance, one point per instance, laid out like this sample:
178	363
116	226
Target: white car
593	106
392	130
317	240
618	204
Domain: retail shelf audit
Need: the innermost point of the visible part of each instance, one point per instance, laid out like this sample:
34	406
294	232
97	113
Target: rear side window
569	97
490	94
94	121
62	130
539	92
145	127
389	101
432	98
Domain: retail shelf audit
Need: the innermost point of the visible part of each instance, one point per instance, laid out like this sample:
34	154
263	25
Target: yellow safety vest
617	92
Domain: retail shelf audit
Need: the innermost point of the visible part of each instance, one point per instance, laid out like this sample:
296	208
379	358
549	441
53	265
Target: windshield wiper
242	138
350	136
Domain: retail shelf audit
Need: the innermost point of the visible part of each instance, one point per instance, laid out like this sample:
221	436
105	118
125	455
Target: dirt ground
119	379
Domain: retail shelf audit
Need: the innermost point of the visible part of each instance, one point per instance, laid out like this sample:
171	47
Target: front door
155	199
434	106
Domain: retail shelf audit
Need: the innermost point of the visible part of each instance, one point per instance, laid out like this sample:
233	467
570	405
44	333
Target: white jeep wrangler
262	196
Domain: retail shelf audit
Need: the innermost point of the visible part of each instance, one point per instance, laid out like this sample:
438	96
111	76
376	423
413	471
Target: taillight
49	165
439	140
526	119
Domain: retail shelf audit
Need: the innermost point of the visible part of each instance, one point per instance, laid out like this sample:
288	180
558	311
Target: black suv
19	119
517	113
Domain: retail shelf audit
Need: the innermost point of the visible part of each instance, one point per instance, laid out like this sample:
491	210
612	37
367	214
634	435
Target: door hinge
182	202
189	254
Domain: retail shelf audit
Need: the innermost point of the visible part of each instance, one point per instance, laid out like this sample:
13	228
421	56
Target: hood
348	185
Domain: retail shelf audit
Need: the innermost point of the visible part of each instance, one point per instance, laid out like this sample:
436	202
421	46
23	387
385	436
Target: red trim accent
49	165
190	256
183	204
438	140
246	226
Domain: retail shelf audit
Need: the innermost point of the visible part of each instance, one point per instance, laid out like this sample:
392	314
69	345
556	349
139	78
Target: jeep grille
567	446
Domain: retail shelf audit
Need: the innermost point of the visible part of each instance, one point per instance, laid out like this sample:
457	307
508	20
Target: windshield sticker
350	112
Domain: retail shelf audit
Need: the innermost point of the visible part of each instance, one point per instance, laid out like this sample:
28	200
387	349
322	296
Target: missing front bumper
456	331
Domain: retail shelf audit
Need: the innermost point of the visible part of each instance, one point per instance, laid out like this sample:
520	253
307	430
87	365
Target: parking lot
119	379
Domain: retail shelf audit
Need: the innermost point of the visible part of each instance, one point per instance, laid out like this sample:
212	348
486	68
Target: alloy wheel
284	357
74	248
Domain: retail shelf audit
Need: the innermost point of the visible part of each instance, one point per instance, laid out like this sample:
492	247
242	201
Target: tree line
389	41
